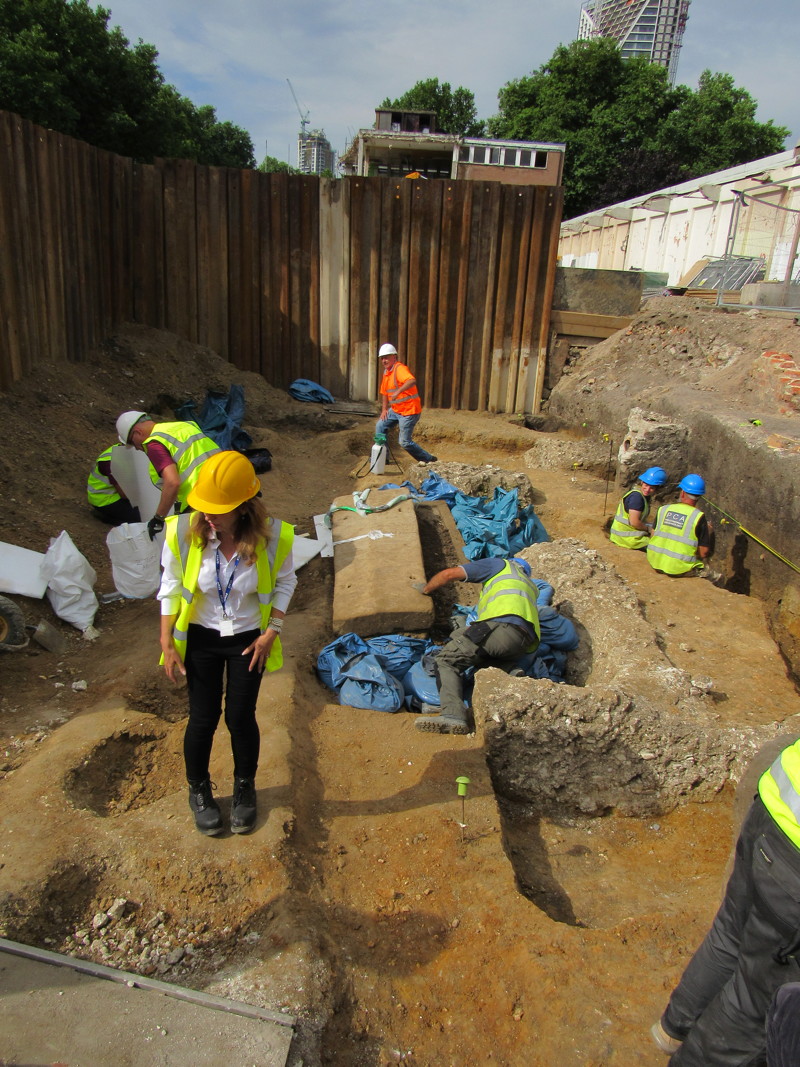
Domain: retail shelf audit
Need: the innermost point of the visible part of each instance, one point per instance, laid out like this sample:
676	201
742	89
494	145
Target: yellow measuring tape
751	535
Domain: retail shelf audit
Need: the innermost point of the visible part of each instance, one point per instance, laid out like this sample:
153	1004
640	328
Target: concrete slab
376	563
57	1009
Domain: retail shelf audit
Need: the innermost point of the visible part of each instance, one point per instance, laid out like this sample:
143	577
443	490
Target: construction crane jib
304	116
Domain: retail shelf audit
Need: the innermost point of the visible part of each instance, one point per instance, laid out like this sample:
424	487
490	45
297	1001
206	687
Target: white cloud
344	58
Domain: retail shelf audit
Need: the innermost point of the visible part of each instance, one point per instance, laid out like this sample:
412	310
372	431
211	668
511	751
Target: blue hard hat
692	484
654	476
522	563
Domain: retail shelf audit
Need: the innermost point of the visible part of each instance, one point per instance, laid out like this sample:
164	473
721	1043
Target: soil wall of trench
717	376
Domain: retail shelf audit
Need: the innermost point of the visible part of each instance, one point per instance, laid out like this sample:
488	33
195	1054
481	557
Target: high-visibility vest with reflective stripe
779	789
187	549
622	533
189	448
510	592
673	545
99	489
400	386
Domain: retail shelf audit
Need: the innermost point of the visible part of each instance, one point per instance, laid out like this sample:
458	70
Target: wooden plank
517	362
490	247
310	350
268	298
534	309
334	290
462	208
554	203
568	321
11	359
247	301
499	365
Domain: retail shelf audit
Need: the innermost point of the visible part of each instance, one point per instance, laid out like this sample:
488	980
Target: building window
463	155
510	159
478	154
524	157
540	159
494	155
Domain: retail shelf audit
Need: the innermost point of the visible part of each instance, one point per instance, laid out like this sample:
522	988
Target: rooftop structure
402	143
651	29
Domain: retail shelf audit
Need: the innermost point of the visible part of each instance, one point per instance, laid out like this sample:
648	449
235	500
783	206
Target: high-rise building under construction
652	29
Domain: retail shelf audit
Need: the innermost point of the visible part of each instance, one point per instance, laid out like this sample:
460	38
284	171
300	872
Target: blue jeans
406	424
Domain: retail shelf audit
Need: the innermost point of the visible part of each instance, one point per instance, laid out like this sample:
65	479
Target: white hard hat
387	350
126	422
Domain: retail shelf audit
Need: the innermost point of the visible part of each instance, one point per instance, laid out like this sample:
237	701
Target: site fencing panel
761	265
288	276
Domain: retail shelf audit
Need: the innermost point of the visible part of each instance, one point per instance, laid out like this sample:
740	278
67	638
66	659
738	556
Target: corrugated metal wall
287	276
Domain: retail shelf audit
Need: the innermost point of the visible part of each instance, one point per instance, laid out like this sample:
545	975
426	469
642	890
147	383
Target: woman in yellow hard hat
227	582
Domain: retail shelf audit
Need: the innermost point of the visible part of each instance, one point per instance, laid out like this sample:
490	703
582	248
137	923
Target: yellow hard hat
225	481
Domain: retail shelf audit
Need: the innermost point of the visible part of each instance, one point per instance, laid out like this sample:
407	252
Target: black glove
155	526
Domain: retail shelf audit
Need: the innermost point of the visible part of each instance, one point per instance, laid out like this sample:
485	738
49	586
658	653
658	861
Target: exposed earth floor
395	925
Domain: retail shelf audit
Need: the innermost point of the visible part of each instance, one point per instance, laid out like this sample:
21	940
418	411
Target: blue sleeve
481	570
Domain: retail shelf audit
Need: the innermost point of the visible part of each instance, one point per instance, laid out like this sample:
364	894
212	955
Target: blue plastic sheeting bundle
496	527
311	392
220	418
368	674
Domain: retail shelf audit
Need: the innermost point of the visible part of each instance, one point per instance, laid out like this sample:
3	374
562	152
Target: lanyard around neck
223	597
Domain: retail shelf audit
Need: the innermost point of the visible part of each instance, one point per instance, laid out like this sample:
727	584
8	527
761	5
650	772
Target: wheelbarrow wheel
12	625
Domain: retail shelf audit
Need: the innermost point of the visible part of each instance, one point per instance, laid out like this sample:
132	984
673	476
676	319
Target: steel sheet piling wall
287	276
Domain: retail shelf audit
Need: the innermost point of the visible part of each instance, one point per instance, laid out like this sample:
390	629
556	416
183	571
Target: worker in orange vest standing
400	403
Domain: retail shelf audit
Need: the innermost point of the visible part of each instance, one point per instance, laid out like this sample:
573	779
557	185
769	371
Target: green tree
455	111
62	67
626	130
271	165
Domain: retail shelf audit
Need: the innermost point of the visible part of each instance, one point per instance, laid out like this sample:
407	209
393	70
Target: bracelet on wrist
276	625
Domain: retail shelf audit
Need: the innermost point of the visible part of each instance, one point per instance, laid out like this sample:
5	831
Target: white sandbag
135	560
70	582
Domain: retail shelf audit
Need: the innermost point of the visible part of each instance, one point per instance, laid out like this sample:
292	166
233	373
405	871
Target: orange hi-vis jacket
400	386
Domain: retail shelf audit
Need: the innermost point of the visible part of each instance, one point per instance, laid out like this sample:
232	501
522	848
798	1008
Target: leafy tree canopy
271	165
62	67
627	131
455	111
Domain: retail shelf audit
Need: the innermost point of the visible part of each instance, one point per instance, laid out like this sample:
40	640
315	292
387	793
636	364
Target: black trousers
720	1005
215	664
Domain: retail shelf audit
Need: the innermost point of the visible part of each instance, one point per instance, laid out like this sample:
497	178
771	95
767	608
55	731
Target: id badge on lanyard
226	620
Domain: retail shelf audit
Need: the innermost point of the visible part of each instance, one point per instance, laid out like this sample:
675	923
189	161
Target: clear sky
345	57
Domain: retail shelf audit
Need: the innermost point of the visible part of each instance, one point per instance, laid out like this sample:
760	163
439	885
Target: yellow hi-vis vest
673	545
510	592
621	532
99	490
189	448
269	561
779	788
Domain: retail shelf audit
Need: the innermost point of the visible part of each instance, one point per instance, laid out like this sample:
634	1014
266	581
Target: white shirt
242	603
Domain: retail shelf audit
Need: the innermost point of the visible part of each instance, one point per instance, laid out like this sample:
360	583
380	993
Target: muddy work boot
442	724
207	816
666	1042
243	810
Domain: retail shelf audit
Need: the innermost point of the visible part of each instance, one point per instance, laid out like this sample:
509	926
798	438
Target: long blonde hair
251	530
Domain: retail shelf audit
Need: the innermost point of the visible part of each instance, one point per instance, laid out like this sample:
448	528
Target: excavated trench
559	757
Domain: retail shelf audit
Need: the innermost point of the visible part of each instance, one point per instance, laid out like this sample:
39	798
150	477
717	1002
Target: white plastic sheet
70	582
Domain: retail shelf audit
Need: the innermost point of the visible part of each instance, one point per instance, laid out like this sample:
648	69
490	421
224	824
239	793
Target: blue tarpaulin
311	392
220	418
496	527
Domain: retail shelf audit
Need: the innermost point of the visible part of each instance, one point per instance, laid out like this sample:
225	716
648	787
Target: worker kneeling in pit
683	539
506	628
630	528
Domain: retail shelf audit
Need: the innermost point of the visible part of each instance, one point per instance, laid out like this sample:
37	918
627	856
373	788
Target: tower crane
304	118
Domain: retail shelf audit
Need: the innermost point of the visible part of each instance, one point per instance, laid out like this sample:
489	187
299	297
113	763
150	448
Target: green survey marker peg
462	782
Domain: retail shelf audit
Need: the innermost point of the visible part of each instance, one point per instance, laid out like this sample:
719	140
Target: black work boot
243	809
207	816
